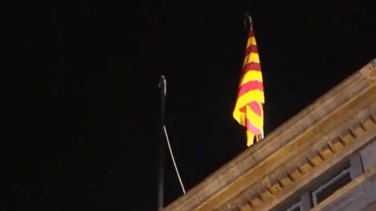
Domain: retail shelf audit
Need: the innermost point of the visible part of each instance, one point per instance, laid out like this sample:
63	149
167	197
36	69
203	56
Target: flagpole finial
249	19
163	84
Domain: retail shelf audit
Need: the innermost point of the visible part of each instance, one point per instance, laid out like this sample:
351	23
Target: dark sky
83	97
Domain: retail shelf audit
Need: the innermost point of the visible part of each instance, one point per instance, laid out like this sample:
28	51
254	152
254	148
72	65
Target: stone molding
311	165
370	71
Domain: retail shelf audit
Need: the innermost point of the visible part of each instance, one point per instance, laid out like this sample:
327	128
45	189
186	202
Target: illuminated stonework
370	70
292	168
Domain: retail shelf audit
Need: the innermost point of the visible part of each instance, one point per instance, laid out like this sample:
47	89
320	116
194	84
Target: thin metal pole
162	85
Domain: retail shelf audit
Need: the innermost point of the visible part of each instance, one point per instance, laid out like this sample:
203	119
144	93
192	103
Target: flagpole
163	131
248	17
162	85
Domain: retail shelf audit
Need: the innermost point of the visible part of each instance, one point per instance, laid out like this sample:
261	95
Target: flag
249	105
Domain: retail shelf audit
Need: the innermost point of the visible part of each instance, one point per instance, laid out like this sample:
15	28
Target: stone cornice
251	177
305	165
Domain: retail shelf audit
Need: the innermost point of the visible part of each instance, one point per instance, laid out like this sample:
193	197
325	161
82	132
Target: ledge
345	196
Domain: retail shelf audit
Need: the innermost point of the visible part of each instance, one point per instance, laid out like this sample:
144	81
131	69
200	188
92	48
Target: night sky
82	101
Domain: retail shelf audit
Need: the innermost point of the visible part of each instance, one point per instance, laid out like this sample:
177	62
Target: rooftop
321	135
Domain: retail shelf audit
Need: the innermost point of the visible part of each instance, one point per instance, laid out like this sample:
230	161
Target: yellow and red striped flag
249	105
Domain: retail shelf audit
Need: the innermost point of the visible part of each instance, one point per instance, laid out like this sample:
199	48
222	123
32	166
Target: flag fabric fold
249	105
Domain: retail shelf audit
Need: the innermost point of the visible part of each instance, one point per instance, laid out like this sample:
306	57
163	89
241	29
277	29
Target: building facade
324	158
